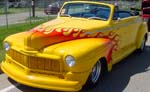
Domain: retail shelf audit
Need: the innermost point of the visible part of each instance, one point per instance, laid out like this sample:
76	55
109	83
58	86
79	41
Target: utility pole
33	8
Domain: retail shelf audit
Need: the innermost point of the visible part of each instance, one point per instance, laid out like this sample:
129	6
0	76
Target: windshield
84	10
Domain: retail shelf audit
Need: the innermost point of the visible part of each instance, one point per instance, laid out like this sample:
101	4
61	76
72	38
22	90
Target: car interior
102	13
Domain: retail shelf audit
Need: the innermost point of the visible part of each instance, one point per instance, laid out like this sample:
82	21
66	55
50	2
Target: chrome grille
34	62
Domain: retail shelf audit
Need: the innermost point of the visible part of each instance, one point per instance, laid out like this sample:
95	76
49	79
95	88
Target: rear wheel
142	47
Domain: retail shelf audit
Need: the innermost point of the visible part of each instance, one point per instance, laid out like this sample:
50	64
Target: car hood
74	47
60	30
16	40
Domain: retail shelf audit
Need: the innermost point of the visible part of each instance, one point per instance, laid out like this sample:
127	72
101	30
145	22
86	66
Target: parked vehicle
16	3
146	11
53	8
75	49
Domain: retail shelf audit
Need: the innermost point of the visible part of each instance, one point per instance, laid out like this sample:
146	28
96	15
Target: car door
126	27
130	26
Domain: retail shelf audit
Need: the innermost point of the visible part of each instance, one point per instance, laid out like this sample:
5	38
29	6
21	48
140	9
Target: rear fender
142	32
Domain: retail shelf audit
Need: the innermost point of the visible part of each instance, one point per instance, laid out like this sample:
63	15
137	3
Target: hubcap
143	44
95	73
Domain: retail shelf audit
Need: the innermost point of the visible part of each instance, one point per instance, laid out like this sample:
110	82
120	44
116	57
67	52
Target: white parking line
9	88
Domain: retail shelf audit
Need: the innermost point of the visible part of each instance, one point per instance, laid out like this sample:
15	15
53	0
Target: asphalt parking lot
130	75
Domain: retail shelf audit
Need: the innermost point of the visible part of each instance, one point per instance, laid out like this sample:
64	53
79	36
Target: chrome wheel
143	44
96	74
96	71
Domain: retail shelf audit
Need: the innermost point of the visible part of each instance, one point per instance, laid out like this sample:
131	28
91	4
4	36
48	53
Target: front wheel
95	75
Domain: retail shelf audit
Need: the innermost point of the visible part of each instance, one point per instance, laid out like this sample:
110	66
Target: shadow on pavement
118	79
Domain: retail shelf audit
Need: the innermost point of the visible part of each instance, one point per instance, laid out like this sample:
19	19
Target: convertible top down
75	49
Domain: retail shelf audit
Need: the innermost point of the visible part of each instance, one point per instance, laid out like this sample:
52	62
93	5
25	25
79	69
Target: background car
16	3
146	11
53	8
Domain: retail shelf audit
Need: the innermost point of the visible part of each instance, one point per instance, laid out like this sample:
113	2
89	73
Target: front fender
141	33
85	51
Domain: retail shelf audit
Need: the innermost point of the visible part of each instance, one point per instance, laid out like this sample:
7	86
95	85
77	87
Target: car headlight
6	46
70	61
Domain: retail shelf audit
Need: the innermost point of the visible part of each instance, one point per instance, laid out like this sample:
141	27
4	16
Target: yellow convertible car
75	49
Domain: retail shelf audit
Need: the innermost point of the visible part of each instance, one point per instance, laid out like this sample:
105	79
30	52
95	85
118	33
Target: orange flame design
56	35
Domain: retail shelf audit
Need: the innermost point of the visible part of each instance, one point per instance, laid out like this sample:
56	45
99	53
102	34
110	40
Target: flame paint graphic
47	37
77	33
